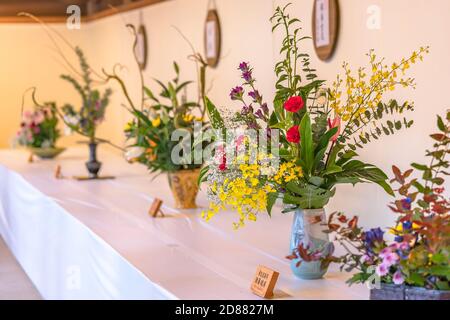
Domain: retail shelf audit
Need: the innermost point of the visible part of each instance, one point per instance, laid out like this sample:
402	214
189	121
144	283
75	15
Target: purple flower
398	277
382	270
373	238
407	225
253	125
259	114
247	76
366	259
243	66
406	203
265	108
255	95
246	110
398	239
236	93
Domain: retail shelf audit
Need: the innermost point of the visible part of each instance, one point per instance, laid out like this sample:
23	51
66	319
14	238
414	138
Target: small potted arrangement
155	134
91	113
166	133
317	132
39	132
415	265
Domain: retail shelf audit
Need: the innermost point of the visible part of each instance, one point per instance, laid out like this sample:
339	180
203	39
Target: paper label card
156	208
264	282
211	51
322	23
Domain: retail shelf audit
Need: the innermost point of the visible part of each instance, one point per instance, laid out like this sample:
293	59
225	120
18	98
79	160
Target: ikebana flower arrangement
419	254
85	119
39	132
319	130
153	141
163	134
90	114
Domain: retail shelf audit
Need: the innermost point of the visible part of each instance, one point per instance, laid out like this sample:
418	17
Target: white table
95	239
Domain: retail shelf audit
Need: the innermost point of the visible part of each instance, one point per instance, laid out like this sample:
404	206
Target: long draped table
95	239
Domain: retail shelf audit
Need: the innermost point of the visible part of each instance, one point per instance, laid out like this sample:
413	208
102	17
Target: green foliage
370	125
153	127
326	161
288	70
93	103
39	129
422	229
214	115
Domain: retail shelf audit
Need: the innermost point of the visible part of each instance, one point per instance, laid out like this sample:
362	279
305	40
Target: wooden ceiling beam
128	6
51	11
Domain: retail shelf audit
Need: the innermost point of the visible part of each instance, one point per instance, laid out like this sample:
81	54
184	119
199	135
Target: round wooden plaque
212	38
325	26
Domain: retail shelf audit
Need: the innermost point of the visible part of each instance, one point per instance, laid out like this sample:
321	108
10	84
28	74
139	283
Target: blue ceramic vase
308	231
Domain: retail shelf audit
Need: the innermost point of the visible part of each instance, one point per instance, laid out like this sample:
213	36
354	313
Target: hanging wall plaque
325	26
141	47
212	38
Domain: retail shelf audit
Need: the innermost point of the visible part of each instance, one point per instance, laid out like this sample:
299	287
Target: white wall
25	60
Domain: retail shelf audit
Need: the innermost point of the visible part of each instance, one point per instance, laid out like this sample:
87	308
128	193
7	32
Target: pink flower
366	259
385	252
38	117
239	141
390	259
394	246
382	270
398	277
404	246
27	115
336	123
221	157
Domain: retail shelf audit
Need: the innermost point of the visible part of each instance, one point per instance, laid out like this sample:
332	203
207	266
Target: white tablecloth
95	240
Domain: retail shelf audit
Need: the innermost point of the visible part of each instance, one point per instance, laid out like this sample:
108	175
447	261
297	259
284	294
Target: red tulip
294	104
293	135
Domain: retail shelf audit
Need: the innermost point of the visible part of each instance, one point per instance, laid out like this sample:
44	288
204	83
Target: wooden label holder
58	172
156	208
264	282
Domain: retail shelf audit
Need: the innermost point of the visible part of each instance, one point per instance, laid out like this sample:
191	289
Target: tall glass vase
93	166
308	229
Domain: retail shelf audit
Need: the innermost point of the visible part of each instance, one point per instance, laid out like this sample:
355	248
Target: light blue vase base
308	270
312	270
